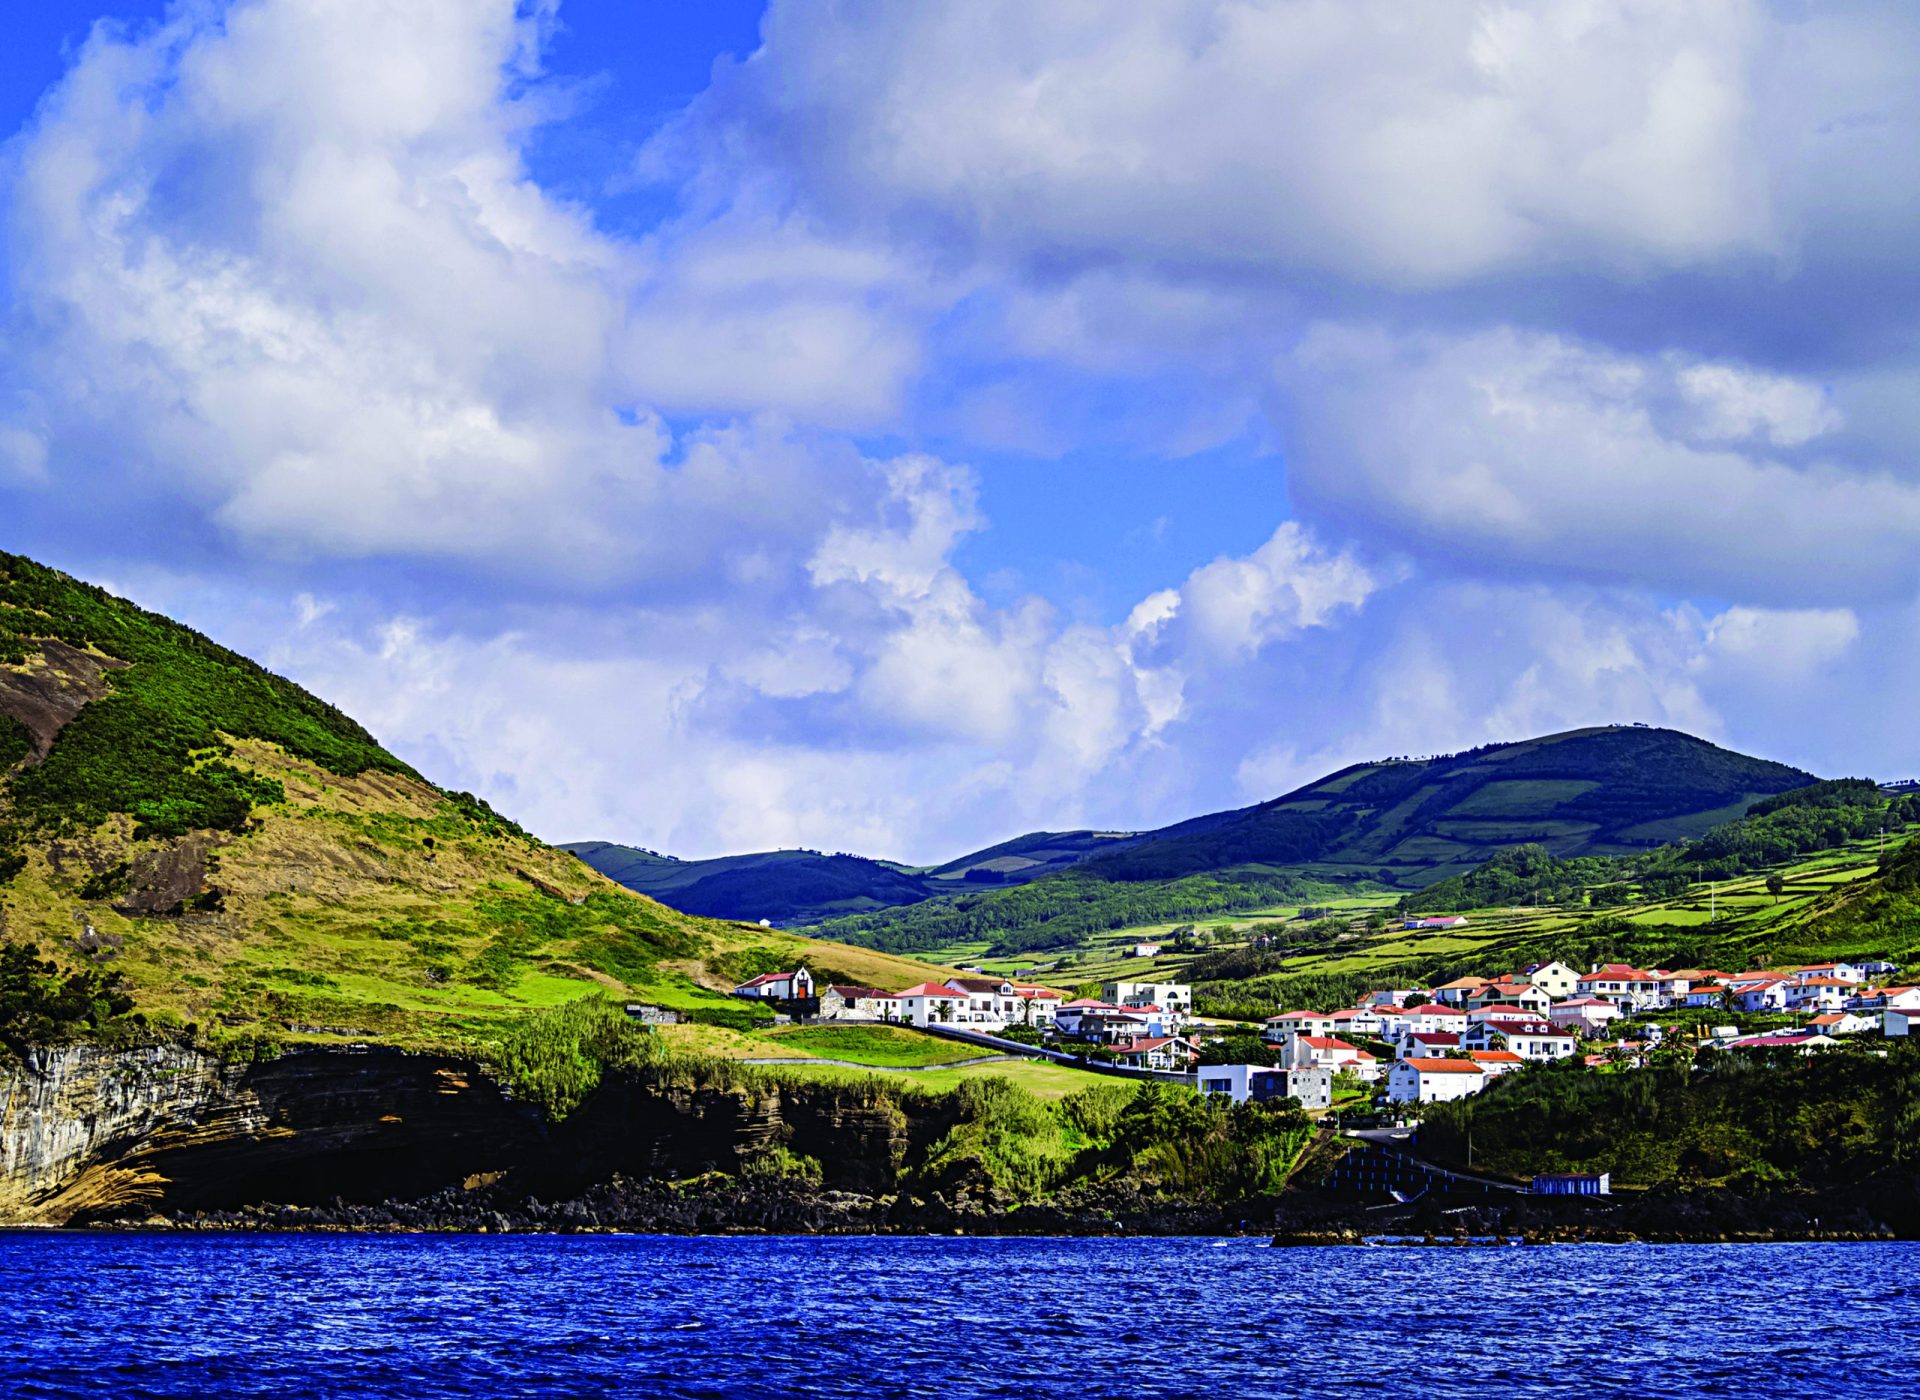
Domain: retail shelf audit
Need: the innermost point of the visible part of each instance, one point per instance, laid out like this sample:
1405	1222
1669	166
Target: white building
1241	1083
778	986
1900	1023
1530	1040
1428	1080
1174	997
1556	979
1586	1015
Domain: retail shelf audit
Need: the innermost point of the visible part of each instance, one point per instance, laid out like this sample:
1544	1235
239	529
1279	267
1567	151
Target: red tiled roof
1439	1066
929	989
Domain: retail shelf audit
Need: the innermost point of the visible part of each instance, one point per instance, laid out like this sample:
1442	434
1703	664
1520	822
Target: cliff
89	1134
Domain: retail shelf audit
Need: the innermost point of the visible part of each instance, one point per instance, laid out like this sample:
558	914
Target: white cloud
1410	145
283	260
1505	450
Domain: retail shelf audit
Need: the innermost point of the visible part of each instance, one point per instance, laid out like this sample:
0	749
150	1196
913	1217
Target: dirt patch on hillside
53	687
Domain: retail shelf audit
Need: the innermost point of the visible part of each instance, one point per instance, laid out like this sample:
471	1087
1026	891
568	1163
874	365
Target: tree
1776	886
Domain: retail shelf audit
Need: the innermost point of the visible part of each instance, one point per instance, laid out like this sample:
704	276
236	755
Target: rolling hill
780	886
183	827
1401	823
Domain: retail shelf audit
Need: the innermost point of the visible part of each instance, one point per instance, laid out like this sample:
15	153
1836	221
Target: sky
891	428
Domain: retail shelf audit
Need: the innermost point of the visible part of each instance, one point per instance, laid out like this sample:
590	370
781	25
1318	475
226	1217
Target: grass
880	1046
1041	1079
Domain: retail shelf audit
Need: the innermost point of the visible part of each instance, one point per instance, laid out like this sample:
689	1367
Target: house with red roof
1287	1023
1767	994
1439	1044
1330	1052
1894	1022
1530	1038
1428	1079
1810	993
778	986
1631	988
1843	1023
1496	1062
1164	1052
1584	1015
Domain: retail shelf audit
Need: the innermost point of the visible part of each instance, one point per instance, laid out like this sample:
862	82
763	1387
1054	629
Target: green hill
779	886
184	828
1404	823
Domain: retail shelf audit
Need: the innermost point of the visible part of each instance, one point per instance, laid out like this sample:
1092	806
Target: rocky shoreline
625	1205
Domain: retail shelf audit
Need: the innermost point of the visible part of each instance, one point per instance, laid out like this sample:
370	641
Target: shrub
555	1058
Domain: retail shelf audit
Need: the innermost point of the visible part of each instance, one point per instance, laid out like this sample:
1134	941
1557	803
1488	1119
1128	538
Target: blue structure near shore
1573	1184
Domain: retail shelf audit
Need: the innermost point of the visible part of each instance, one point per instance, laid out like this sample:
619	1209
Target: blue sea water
428	1316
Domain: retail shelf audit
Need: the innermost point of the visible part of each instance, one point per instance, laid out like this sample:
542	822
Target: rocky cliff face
87	1134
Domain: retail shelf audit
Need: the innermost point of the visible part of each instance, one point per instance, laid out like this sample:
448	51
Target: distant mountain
1601	791
780	886
1405	822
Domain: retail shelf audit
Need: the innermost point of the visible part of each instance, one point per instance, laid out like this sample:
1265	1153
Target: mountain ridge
1594	790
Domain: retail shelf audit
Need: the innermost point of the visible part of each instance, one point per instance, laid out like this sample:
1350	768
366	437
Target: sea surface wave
431	1315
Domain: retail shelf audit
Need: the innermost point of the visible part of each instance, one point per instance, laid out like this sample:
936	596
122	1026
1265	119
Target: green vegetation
1837	1118
43	1004
15	742
1060	911
150	745
785	886
881	1046
557	1057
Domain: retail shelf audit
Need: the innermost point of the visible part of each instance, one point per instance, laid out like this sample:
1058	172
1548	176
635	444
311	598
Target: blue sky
891	428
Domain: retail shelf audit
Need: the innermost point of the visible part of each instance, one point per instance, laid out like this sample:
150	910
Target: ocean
131	1315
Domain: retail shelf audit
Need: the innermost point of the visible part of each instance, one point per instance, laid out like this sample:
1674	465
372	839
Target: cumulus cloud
1504	450
1410	145
285	259
1583	330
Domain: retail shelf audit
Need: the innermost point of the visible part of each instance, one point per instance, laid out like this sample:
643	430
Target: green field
884	1047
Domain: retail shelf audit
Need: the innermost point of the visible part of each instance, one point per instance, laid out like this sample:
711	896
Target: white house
1331	1053
1146	950
1629	987
1298	1023
1428	1080
1496	1062
1585	1015
1530	1040
1839	971
1167	1052
778	986
1767	995
1556	979
1456	992
1818	993
1842	1023
934	1004
1173	997
1446	921
1037	1005
1240	1083
1433	1017
1361	1020
1437	1044
1706	994
1894	1022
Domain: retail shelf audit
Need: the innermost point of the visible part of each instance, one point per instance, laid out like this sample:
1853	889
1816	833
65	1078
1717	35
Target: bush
555	1058
42	1005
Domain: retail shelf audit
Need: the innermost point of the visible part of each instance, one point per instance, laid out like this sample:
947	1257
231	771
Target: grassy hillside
241	857
1403	825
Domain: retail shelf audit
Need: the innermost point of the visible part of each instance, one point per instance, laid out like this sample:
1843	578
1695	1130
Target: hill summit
239	855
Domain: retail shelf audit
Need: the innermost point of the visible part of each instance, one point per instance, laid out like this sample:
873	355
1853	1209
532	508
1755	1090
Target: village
1398	1047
